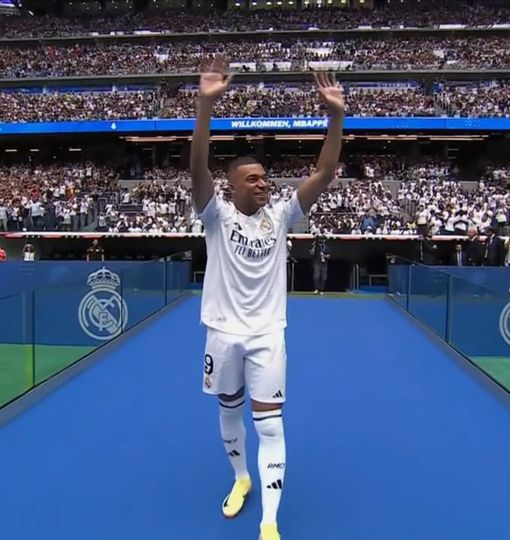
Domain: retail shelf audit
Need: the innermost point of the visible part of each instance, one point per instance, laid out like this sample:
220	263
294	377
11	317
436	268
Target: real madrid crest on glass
504	323
102	313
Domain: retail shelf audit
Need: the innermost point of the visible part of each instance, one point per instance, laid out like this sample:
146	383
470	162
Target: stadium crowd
293	99
480	100
389	197
297	55
54	107
53	197
277	100
385	196
409	14
430	197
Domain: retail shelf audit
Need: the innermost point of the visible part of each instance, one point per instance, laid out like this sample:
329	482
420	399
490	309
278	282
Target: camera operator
95	252
291	261
320	256
428	250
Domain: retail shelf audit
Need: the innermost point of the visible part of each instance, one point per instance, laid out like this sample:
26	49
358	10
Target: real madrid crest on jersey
103	314
266	225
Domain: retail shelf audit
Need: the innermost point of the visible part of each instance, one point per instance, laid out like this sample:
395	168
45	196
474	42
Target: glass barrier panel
16	346
398	280
428	290
143	292
70	321
177	278
479	326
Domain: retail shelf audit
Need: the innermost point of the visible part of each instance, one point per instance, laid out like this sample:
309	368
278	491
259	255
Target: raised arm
213	83
312	187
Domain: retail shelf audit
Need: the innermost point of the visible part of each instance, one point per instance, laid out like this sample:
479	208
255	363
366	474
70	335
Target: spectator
3	216
458	257
475	250
495	252
28	253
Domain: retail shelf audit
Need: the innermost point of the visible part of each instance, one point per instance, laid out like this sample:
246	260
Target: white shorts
258	362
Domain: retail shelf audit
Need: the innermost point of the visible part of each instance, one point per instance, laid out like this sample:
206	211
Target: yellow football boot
269	532
234	501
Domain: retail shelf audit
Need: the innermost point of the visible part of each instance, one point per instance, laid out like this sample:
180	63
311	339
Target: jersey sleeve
213	212
293	210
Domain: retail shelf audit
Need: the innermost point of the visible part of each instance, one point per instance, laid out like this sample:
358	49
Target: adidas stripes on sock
271	460
233	433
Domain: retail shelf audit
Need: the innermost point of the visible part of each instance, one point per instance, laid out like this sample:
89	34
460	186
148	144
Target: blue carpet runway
388	439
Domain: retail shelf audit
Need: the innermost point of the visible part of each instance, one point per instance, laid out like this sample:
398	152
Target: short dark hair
239	162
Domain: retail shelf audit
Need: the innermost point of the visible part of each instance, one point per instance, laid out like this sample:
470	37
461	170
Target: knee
269	430
268	424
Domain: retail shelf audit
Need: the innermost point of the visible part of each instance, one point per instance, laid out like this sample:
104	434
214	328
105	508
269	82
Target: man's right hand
216	78
213	83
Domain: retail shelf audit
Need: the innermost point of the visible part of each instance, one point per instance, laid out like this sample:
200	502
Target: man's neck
246	211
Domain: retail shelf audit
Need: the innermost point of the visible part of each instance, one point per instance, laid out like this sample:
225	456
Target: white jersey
245	284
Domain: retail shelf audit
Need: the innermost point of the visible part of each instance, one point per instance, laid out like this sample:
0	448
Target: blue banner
256	124
82	126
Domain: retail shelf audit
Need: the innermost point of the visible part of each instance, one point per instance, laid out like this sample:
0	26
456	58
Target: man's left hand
330	91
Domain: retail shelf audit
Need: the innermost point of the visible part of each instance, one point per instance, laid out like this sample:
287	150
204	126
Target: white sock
233	433
269	426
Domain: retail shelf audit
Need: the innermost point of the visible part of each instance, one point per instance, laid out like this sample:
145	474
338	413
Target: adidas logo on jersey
276	485
234	453
278	394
